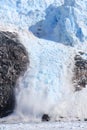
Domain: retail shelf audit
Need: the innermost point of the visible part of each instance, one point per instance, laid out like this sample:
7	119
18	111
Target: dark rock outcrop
13	63
80	72
85	119
45	117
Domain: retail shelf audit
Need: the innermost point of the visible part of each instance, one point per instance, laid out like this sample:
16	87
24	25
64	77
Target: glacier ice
60	30
60	24
62	21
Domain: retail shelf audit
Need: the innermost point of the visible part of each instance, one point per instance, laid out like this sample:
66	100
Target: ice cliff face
64	23
59	31
61	21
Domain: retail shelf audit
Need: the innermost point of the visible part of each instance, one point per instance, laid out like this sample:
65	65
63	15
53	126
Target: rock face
13	63
80	72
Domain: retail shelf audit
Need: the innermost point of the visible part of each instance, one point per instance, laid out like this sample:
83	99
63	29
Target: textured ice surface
45	126
61	21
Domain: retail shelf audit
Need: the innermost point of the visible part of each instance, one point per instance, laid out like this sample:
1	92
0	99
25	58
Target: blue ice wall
63	21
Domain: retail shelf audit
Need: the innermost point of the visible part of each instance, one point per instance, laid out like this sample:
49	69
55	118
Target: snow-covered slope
58	32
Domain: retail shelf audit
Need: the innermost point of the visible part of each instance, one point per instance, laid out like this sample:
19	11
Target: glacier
63	21
53	32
